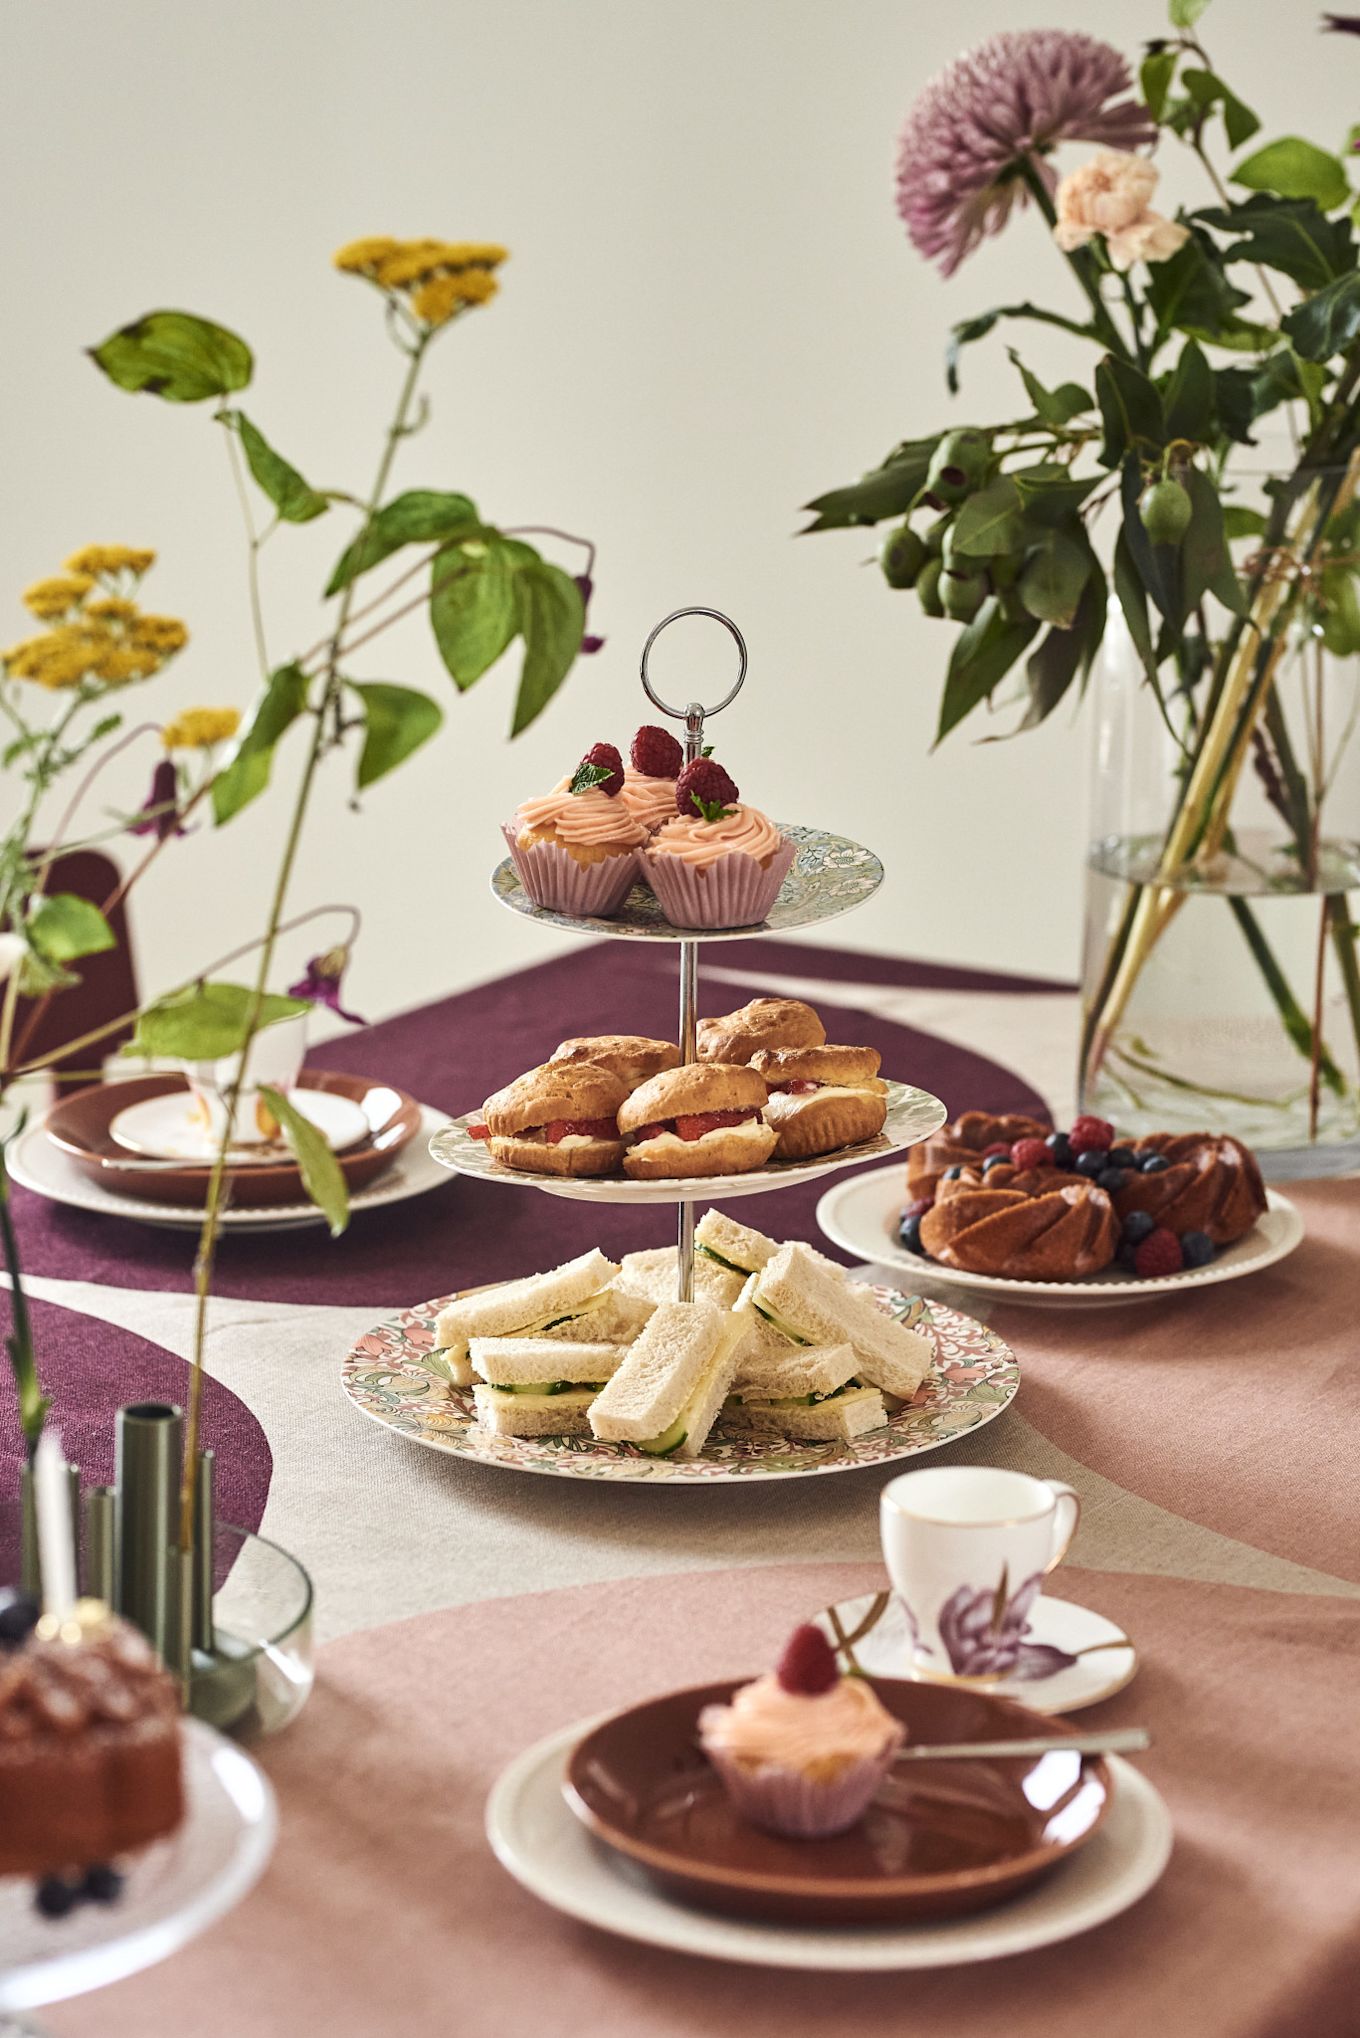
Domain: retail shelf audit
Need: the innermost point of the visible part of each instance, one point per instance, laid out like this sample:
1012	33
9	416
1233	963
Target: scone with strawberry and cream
803	1750
655	763
702	1119
715	863
575	849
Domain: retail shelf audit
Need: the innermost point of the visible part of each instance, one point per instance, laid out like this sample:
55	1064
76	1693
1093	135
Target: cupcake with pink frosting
576	848
654	764
715	862
802	1751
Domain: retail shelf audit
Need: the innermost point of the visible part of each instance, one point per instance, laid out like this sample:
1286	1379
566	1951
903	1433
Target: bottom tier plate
975	1376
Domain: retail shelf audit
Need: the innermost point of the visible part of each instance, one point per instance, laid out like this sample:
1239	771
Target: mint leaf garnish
707	750
587	775
711	810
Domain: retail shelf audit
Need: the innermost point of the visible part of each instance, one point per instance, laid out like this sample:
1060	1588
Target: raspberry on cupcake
575	849
715	863
655	763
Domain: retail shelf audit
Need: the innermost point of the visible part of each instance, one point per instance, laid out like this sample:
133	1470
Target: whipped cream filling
753	1129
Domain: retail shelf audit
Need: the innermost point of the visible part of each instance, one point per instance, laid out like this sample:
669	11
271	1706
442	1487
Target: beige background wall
711	314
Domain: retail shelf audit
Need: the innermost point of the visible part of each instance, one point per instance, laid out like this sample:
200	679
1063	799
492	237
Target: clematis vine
160	809
321	981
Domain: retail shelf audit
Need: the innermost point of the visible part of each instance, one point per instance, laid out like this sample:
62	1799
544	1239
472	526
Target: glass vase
1221	989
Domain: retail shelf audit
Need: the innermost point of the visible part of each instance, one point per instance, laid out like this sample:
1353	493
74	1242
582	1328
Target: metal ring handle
683	714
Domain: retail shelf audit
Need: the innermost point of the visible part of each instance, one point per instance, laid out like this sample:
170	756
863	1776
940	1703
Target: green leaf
1132	594
175	355
1053	578
1157	566
886	491
1206	563
206	1021
977	328
1294	168
1056	660
1207	91
1185	13
63	926
1327	323
421	516
296	501
551	621
472	602
1289	234
1284	378
1050	494
1154	82
1190	293
988	522
1130	410
1235	403
1241	522
321	1174
397	720
1189	397
246	773
984	652
1054	407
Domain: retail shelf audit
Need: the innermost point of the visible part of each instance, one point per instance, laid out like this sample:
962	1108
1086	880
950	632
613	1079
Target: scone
764	1023
702	1119
822	1098
632	1057
558	1120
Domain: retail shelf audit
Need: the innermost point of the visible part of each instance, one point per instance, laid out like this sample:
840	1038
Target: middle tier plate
912	1115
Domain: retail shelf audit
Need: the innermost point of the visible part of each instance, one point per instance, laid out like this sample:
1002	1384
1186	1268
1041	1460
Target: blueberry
1060	1146
1154	1163
1197	1248
1137	1225
1091	1163
952	1174
54	1897
1125	1254
18	1616
995	1160
103	1883
909	1231
1122	1157
1111	1179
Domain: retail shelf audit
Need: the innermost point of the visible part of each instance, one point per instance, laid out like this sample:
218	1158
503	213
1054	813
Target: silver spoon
1115	1741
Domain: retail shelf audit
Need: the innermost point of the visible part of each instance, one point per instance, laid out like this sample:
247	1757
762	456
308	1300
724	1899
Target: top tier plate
830	875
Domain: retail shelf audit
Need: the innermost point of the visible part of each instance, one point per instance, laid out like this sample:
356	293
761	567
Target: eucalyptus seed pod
937	532
959	464
962	595
1165	511
902	556
928	588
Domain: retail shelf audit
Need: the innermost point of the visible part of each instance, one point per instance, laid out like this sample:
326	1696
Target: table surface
465	1612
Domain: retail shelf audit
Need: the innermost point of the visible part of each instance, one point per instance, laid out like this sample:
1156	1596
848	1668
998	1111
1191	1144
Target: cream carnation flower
1109	195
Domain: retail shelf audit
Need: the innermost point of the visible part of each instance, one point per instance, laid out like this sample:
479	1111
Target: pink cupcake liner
787	1801
555	880
736	891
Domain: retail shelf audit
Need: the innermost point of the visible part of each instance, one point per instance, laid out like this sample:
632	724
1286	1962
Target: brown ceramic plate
940	1838
80	1126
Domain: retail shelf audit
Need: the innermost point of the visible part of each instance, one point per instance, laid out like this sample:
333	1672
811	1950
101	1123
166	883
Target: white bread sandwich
652	1275
666	1395
765	1022
736	1248
557	1121
806	1391
536	1386
808	1300
822	1098
572	1303
632	1057
703	1119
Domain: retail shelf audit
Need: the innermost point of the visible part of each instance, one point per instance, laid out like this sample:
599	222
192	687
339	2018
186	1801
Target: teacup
275	1061
968	1548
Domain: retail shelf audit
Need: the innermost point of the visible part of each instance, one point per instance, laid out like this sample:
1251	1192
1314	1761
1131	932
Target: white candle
56	1551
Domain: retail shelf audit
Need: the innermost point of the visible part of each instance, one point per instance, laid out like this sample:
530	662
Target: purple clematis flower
984	1634
321	983
588	643
161	805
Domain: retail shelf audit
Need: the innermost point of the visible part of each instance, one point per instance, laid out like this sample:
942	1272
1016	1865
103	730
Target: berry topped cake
655	763
575	849
802	1751
715	862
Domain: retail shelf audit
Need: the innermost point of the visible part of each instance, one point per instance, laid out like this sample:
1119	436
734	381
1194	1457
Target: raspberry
607	757
1160	1253
656	753
1091	1135
1032	1153
918	1208
808	1664
703	787
998	1147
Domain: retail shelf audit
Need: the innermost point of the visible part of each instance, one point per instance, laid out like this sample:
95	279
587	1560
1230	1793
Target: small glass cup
258	1674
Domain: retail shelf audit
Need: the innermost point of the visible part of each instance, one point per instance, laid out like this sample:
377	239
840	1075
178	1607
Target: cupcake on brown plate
556	1120
822	1098
802	1751
763	1023
702	1119
715	863
575	849
656	760
632	1057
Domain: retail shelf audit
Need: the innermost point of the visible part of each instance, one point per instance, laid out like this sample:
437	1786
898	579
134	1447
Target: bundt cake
962	1144
1037	1224
1210	1183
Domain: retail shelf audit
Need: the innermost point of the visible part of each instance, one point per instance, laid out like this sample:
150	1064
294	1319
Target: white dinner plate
912	1116
169	1128
861	1217
388	1376
535	1837
174	1890
37	1164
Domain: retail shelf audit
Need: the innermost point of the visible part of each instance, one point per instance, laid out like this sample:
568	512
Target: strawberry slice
801	1086
558	1129
695	1124
479	1131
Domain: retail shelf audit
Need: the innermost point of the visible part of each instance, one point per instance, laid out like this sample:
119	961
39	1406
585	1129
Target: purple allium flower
1015	96
588	643
322	981
161	805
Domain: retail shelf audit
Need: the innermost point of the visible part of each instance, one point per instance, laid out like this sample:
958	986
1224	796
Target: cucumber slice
795	1337
669	1441
546	1387
719	1261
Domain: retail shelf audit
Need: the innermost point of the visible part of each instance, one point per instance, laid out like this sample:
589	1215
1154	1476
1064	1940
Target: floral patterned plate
912	1115
388	1376
830	875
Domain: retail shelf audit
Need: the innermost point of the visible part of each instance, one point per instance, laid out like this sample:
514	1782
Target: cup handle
1063	1493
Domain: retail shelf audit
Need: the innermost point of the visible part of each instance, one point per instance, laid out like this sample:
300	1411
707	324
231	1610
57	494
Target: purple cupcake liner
736	891
803	1807
555	880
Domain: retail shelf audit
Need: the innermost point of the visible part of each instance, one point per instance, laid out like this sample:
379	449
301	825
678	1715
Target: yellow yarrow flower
116	664
436	301
158	633
54	597
402	265
64	657
357	258
200	728
111	608
102	560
